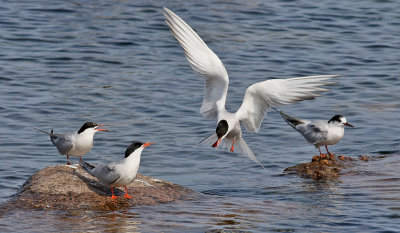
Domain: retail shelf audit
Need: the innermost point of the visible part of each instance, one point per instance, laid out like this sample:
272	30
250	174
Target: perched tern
119	173
320	132
258	99
77	143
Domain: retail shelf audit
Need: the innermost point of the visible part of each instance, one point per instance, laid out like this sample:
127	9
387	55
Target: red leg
112	194
80	159
126	193
320	152
232	145
68	160
329	153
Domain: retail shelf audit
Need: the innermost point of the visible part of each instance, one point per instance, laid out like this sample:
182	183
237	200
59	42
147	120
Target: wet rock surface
68	187
324	167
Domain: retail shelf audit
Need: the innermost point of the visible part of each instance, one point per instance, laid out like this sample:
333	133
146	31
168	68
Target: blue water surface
63	63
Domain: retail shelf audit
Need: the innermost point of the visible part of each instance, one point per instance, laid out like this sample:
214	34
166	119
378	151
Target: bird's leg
233	143
112	194
68	163
320	153
329	153
80	159
126	193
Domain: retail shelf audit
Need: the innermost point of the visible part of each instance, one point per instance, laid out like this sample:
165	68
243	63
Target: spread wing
260	97
107	174
204	62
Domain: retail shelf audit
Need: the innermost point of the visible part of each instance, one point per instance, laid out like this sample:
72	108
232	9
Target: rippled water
66	62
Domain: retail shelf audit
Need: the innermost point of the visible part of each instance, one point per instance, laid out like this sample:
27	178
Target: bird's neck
134	158
85	136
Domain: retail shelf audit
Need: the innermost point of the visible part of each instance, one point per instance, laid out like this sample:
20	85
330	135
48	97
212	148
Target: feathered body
257	101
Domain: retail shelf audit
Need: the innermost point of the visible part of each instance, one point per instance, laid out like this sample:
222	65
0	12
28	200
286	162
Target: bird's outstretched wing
260	97
204	62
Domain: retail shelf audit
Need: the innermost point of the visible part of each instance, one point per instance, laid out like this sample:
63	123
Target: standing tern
320	132
119	173
258	99
77	143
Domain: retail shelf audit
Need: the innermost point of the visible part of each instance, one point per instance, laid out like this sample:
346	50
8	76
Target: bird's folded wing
63	144
204	62
260	97
107	174
313	133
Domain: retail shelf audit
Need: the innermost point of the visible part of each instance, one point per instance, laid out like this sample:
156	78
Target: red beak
216	143
147	144
101	129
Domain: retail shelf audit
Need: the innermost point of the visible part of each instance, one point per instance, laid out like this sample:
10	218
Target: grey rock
68	187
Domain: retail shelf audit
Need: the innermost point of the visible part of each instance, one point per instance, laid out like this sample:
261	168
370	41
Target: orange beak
101	129
147	144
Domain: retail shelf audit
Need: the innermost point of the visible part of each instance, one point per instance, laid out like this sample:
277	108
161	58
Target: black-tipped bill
348	124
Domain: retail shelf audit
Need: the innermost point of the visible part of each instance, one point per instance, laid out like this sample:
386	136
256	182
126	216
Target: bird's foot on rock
127	196
113	197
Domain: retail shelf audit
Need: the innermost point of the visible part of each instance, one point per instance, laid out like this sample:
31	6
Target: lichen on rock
324	167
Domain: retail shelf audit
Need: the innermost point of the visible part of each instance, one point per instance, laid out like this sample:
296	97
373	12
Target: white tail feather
240	146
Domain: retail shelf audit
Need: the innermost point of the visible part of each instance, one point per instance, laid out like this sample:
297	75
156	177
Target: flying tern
320	132
258	99
119	173
77	143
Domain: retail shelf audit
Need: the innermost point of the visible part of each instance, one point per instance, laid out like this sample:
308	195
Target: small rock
323	167
363	158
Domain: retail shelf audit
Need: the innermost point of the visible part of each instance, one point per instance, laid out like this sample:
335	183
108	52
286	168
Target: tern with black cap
119	173
258	99
77	143
320	132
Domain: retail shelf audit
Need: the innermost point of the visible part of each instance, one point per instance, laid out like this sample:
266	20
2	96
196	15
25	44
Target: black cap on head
132	148
87	125
336	118
222	128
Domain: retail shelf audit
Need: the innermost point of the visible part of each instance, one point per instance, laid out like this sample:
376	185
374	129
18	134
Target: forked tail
87	167
292	121
240	146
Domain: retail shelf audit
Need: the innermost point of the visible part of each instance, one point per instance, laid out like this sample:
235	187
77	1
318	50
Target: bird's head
136	146
340	120
221	131
91	127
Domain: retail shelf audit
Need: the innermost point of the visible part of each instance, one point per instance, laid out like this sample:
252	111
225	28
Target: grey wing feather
87	167
62	143
292	121
312	133
106	174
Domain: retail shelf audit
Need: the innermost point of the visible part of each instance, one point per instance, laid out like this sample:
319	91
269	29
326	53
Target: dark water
66	62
